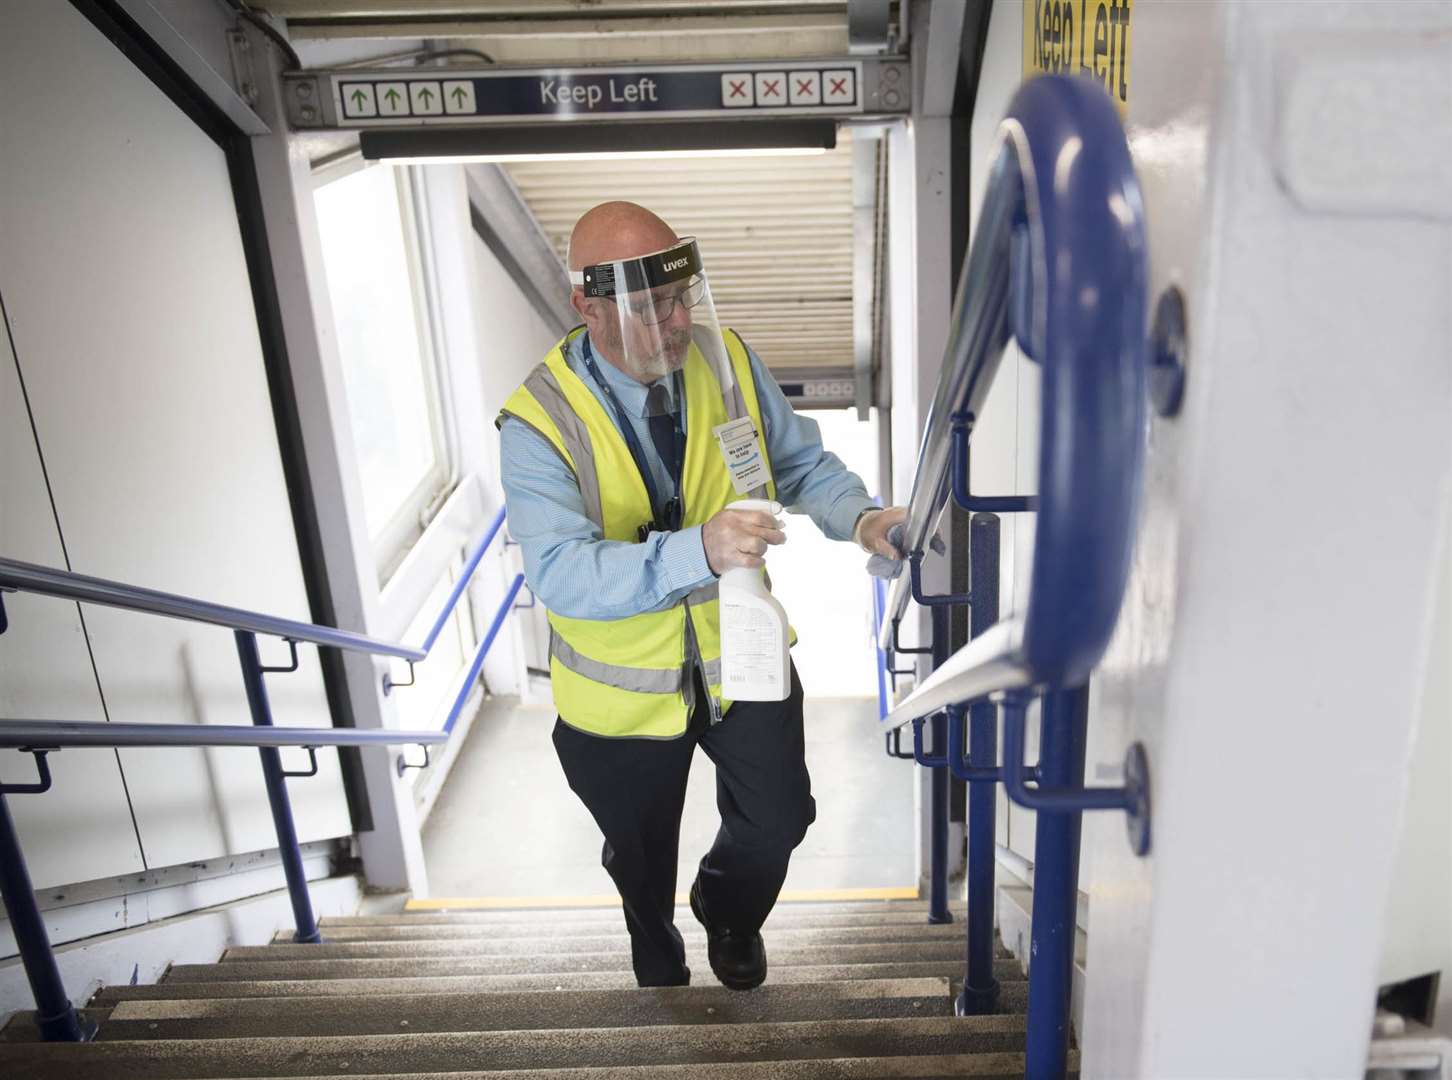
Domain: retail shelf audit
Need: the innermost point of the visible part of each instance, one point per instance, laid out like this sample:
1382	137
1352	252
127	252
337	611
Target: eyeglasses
655	310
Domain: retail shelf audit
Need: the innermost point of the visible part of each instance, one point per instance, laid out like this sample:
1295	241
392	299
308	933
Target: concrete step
562	924
21	1027
356	977
562	915
608	937
169	1059
531	1010
943	1067
1013	991
544	959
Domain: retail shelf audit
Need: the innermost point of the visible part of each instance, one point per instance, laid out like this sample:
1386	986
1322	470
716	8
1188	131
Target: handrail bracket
915	568
312	770
390	684
905	650
42	769
1133	797
962	428
288	668
404	764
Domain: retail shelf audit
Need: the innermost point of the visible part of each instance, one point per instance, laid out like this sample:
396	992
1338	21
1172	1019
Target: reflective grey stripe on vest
641	680
705	594
573	433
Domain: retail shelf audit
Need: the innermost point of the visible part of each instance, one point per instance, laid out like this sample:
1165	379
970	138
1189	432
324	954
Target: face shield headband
681	262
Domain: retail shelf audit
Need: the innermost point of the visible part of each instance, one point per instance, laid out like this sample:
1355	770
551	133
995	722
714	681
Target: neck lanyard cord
632	441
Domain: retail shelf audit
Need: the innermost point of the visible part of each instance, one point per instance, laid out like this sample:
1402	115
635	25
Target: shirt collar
629	392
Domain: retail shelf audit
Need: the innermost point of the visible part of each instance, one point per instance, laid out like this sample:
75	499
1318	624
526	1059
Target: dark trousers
636	789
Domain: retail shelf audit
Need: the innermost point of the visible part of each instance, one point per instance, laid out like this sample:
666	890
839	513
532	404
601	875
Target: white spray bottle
755	647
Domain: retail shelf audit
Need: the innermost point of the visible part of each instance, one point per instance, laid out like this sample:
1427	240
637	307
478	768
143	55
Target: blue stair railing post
980	988
55	1015
938	789
1063	736
272	774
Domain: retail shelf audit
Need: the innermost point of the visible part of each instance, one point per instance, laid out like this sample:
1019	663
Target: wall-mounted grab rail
66	585
1063	191
67	734
471	676
462	583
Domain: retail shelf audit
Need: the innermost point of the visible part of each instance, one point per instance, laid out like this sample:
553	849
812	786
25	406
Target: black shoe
738	960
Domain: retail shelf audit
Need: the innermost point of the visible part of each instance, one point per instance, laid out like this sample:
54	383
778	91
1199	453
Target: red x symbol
839	86
738	89
770	89
804	86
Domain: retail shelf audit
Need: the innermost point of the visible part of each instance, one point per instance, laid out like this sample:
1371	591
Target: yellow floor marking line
498	903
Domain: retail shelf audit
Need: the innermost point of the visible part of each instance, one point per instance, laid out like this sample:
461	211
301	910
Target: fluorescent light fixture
599	141
608	155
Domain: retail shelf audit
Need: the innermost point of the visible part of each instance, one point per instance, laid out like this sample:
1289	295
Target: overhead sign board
1080	37
392	98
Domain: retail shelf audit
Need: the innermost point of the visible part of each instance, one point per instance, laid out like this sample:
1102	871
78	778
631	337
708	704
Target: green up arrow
392	97
426	94
458	96
358	98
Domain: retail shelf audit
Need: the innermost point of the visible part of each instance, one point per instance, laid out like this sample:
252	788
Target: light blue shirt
578	574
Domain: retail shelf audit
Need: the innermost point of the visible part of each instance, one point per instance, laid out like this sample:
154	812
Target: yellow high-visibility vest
632	677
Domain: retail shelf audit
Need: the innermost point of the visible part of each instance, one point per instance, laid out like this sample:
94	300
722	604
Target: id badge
742	454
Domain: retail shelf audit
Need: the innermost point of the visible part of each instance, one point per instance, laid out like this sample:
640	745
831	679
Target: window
370	242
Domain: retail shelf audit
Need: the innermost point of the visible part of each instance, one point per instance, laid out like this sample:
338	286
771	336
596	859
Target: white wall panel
1269	619
45	674
512	339
134	316
1278	606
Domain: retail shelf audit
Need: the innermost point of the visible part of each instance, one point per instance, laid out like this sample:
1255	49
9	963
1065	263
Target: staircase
855	990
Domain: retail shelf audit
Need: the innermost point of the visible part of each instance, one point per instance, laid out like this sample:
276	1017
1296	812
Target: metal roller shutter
775	235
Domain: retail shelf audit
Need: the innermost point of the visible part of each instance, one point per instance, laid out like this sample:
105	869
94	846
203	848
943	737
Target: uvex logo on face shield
676	264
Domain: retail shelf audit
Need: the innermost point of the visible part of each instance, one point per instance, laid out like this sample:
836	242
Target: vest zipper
698	665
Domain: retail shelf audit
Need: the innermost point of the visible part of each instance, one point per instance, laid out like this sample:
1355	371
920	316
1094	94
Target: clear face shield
661	309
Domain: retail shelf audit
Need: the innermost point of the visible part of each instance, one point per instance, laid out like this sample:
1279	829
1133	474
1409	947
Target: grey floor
507	825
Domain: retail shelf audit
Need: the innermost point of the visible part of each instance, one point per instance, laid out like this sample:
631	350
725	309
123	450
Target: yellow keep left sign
1080	37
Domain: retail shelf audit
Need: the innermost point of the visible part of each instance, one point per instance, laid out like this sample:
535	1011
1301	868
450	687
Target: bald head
617	230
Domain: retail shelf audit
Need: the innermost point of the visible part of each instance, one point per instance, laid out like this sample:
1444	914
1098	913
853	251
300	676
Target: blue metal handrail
67	734
56	1017
67	585
477	663
466	684
1058	262
463	583
1063	193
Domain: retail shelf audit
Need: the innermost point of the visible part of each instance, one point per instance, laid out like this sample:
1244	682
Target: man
617	480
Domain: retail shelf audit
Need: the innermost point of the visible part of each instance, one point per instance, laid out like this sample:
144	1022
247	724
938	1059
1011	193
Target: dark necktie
662	429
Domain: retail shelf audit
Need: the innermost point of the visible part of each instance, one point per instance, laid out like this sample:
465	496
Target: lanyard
668	514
